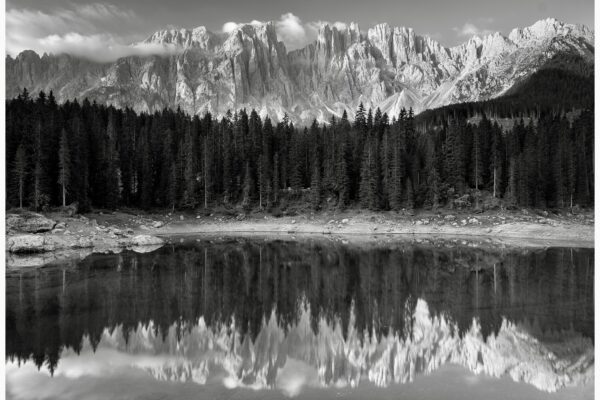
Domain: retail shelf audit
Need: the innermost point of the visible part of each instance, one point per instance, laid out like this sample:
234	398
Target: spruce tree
190	195
20	173
315	182
112	171
476	160
39	196
64	166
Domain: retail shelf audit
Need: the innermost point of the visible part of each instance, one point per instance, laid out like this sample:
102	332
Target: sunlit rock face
289	357
384	66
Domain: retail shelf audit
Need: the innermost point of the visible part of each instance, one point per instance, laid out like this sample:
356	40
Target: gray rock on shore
28	244
146	240
29	222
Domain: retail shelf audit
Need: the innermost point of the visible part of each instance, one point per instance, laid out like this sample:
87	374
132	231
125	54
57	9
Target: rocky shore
36	239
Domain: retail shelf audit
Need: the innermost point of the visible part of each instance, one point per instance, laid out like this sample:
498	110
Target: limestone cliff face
386	67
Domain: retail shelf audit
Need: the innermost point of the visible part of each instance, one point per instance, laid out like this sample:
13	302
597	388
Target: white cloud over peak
88	31
291	30
82	30
469	29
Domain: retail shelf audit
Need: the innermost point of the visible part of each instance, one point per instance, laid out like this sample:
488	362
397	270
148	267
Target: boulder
157	224
146	240
29	222
27	244
84	242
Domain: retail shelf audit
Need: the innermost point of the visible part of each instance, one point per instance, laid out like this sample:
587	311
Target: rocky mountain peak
547	29
387	67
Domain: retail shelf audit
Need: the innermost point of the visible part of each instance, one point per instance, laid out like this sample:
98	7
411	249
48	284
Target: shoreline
354	237
518	234
75	237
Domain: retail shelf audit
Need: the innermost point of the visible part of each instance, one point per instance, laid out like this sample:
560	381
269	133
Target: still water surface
263	318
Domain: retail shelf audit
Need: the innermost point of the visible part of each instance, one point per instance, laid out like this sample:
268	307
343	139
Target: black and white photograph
298	199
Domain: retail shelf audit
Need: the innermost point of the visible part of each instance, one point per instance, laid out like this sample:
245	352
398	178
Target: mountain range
249	67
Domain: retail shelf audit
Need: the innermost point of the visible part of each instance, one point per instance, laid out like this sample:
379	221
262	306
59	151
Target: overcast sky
105	29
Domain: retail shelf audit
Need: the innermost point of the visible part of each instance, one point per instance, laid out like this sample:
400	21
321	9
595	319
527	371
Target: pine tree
410	194
397	165
496	162
40	198
20	172
112	171
343	179
511	188
146	176
190	195
228	155
344	166
265	179
64	166
370	178
454	162
276	178
476	160
247	187
315	182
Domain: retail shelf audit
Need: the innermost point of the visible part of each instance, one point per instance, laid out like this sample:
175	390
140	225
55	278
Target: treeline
104	157
564	84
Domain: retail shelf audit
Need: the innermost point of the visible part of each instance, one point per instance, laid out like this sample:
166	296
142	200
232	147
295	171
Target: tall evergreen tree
64	166
20	173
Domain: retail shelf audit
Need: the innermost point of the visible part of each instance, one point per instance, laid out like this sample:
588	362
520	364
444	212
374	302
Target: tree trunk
205	175
21	194
494	195
571	203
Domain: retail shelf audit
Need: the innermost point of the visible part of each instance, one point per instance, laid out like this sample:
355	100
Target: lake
305	317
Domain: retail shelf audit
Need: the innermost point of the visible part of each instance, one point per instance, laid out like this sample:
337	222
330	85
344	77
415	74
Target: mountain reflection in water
283	314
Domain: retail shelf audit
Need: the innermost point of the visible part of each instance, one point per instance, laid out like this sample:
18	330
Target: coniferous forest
103	157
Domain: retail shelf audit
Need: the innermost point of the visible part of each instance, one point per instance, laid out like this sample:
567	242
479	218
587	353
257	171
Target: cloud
229	27
88	46
89	31
291	30
81	30
469	29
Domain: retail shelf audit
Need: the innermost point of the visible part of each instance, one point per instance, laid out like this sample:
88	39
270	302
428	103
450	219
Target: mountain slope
386	67
564	83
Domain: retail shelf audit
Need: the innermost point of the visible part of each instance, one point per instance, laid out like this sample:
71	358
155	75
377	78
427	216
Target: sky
104	30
